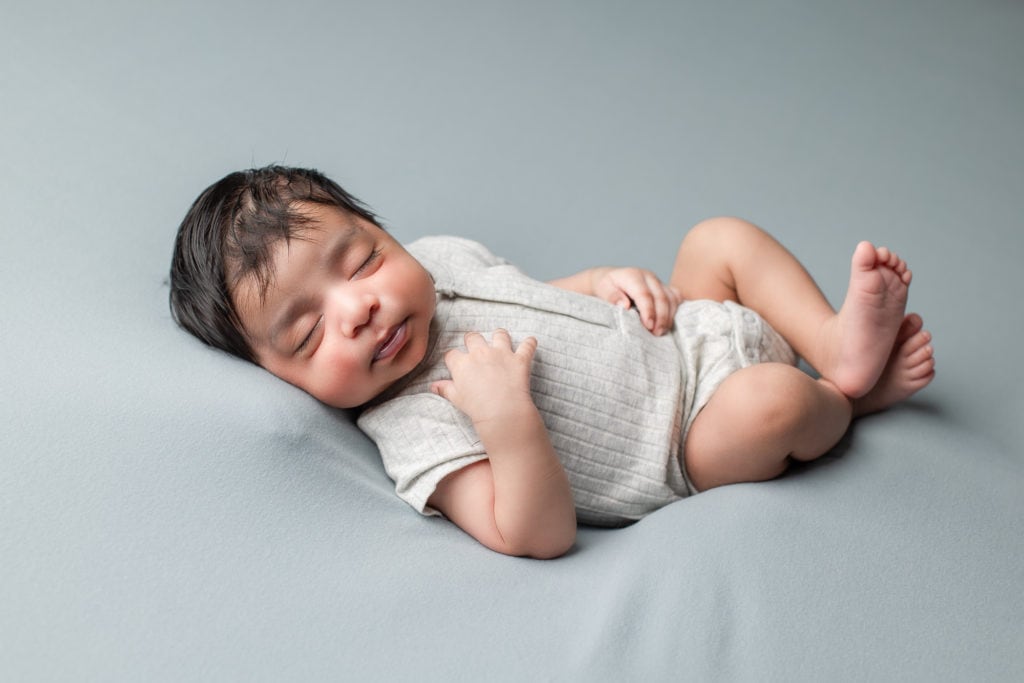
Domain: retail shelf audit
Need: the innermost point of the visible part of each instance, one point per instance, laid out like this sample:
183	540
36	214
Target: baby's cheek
339	384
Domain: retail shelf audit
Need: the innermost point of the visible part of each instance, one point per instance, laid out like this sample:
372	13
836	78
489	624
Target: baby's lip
392	342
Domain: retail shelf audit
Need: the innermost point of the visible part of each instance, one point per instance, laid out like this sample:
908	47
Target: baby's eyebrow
334	251
291	312
340	245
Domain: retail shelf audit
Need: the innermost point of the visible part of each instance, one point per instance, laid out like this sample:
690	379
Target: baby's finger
453	357
675	300
659	303
664	309
501	338
473	339
527	347
640	293
445	388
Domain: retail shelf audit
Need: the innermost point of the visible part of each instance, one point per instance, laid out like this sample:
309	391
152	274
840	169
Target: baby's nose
357	314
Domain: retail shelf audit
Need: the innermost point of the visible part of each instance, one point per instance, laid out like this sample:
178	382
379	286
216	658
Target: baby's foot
861	337
910	368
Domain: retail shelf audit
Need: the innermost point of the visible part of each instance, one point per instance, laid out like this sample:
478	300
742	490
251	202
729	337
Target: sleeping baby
516	408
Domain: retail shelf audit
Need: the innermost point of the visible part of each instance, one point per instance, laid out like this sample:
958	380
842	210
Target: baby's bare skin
910	368
858	341
869	354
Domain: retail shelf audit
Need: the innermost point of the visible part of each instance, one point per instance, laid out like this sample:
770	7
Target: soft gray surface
168	514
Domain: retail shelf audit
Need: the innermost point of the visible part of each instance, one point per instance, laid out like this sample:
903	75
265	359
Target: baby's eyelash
305	342
369	259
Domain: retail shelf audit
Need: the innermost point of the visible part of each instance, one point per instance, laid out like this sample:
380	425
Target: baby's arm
655	301
518	501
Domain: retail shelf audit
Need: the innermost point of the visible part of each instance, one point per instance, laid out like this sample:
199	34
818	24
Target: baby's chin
415	359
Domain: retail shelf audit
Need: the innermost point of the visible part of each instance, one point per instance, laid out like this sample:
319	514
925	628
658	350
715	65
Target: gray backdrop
167	513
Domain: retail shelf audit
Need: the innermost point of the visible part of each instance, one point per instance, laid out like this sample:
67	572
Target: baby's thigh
743	432
706	258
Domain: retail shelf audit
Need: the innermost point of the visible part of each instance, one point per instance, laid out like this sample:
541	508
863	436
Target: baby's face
347	312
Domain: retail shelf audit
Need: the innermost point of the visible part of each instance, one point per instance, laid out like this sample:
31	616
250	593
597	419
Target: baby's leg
759	418
731	259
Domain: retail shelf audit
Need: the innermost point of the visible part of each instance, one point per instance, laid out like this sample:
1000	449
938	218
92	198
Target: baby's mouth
393	343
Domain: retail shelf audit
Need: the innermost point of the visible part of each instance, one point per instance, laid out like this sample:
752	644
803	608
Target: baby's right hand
489	380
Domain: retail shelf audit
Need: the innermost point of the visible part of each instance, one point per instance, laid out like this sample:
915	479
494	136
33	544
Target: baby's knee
721	236
723	229
776	396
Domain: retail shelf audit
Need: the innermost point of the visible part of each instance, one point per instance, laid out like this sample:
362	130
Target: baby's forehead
255	284
323	237
261	255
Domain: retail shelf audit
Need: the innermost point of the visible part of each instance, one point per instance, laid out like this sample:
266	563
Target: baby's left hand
655	301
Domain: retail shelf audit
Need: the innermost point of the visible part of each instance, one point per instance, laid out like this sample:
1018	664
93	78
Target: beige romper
617	401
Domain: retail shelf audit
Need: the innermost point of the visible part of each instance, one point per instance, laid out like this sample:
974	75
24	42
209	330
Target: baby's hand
655	301
489	380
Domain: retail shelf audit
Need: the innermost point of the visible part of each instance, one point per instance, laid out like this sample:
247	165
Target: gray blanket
170	514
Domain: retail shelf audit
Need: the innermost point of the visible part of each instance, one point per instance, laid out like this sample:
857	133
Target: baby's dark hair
228	235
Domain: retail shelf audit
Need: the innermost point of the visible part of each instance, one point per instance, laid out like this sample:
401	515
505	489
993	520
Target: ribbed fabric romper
616	400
